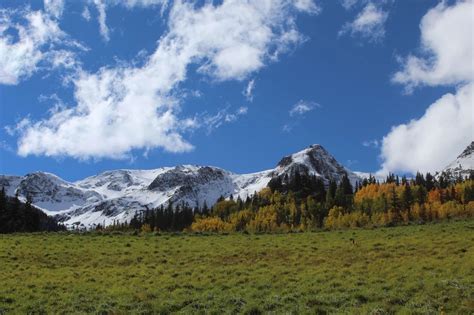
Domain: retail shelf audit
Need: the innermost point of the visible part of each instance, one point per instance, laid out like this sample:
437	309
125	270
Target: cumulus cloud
368	24
434	140
38	40
248	92
447	39
127	107
302	107
431	142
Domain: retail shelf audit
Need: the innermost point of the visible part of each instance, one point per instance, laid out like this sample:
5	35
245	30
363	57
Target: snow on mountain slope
315	160
49	192
248	184
119	194
113	184
463	165
10	183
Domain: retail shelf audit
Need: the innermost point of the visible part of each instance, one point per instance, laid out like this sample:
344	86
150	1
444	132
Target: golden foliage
211	224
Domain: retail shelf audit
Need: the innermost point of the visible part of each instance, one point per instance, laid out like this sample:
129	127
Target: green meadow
417	269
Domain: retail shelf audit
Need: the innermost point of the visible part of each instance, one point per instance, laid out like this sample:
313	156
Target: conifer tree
407	197
429	183
330	194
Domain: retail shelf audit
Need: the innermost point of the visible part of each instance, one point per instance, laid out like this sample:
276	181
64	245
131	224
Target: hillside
463	166
16	216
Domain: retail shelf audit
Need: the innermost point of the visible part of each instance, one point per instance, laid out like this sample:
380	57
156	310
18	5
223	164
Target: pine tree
205	209
429	183
407	197
395	205
330	194
420	179
346	185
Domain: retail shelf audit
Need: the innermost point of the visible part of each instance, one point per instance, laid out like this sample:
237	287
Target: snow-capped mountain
463	165
119	194
314	160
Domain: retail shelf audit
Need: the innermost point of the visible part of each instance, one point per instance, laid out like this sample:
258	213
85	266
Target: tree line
18	216
302	202
297	202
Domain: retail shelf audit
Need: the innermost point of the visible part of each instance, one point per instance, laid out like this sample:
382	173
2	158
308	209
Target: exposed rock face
463	165
119	194
314	160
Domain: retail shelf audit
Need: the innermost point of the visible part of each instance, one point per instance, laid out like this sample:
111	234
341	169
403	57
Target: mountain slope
119	194
463	165
314	160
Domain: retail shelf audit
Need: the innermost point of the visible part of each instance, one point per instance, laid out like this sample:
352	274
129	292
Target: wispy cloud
371	143
54	7
298	112
302	107
212	122
101	9
132	107
369	24
86	14
248	92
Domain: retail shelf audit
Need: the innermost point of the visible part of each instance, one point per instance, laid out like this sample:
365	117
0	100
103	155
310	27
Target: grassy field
425	269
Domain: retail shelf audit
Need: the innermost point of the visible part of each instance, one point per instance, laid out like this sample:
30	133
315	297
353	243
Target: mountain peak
469	150
463	165
314	160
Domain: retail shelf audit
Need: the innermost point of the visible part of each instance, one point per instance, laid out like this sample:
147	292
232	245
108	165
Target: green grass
410	270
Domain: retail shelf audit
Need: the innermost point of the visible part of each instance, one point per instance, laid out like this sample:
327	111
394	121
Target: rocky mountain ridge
463	165
119	194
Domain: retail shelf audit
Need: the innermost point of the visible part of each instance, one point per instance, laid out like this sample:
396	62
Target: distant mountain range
119	194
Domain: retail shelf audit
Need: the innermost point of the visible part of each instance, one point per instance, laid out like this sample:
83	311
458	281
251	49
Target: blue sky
89	86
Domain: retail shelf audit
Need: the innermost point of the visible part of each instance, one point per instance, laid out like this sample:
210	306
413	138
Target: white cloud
248	92
447	127
297	113
307	6
287	127
371	143
139	3
447	39
368	24
101	6
86	14
212	122
124	108
243	110
302	107
54	7
434	140
348	4
37	42
104	29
